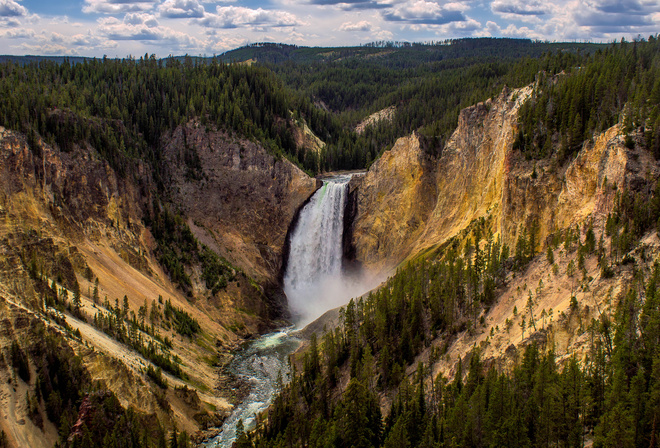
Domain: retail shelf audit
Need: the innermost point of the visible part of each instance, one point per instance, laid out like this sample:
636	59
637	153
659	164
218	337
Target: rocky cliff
392	203
240	200
409	202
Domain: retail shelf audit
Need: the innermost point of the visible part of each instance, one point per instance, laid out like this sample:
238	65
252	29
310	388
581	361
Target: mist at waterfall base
315	280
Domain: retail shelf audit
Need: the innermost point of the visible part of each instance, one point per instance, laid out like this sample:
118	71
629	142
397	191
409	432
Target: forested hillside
124	107
611	397
428	84
375	380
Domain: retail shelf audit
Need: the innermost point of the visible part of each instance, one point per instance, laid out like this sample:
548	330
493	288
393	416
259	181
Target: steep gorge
69	225
67	218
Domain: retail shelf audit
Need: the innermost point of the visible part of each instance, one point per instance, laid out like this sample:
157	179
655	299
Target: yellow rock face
395	198
409	202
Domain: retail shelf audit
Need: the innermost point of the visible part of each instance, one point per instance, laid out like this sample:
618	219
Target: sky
120	28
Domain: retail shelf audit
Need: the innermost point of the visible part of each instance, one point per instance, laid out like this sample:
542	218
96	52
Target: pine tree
95	294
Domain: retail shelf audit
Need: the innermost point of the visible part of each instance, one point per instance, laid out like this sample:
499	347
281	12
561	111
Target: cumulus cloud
349	5
627	6
21	33
145	28
48	49
222	44
616	15
46	42
116	6
177	9
131	33
519	7
88	40
493	29
9	22
10	8
363	25
422	12
141	19
238	16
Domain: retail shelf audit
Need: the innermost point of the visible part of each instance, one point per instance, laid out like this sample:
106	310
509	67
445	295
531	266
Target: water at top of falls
314	281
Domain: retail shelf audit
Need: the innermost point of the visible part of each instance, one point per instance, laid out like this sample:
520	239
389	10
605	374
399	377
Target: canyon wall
410	202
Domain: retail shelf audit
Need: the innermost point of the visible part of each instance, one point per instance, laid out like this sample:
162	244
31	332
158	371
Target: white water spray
314	281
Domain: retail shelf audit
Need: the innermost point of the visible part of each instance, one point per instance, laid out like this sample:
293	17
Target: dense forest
125	108
621	82
428	84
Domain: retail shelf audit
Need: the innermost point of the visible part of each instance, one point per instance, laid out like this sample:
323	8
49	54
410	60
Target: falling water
314	281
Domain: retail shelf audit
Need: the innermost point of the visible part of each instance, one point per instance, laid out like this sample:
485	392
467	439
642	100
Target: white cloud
382	35
145	28
141	19
88	40
362	25
519	7
353	5
48	49
9	22
222	44
238	16
116	6
522	32
21	33
10	8
619	15
423	12
466	28
176	9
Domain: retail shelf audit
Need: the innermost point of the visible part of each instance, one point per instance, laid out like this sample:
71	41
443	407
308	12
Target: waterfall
314	281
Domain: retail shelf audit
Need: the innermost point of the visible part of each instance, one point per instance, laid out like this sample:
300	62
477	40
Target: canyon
68	219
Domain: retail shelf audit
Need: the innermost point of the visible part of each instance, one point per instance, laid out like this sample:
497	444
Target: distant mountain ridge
390	52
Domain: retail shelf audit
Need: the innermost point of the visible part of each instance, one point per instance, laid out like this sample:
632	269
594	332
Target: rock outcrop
393	202
241	200
409	202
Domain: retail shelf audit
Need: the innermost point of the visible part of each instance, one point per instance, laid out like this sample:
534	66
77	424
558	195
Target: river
259	364
314	282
